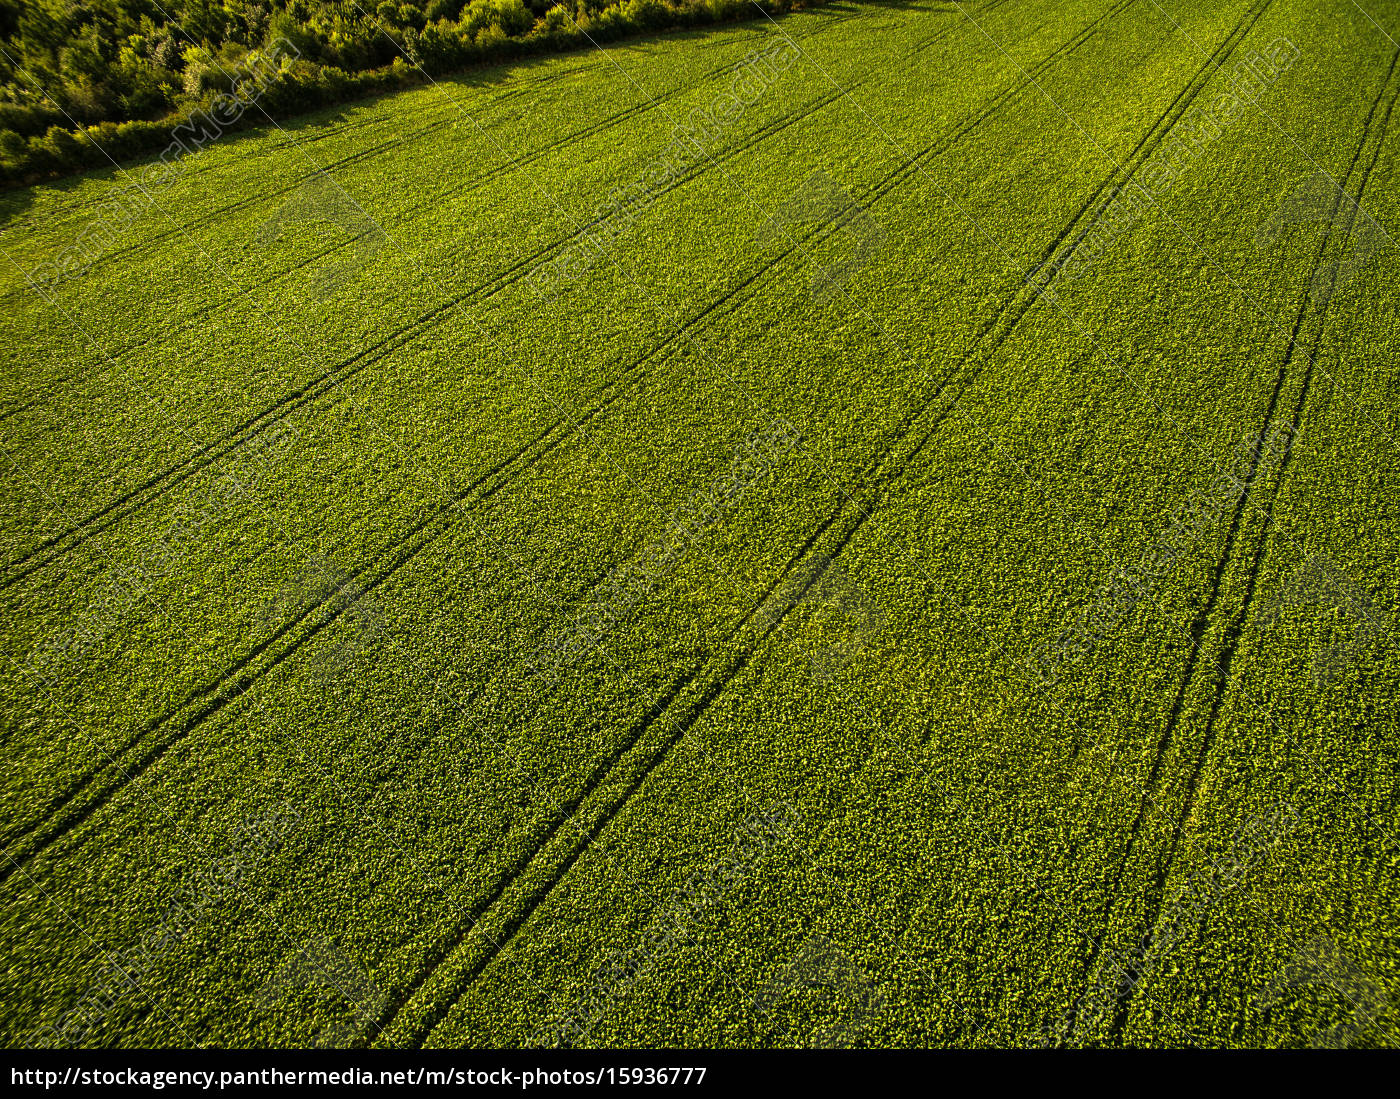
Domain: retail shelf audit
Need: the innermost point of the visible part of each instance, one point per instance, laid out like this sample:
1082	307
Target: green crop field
873	526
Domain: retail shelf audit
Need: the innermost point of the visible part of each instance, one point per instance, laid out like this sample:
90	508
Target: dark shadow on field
14	203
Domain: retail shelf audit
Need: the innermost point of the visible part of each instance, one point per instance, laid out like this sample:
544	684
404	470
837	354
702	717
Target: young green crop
531	608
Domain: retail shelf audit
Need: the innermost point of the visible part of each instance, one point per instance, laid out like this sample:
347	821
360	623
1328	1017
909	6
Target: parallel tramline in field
474	577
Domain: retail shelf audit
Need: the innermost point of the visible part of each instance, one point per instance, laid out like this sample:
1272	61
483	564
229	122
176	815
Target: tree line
84	79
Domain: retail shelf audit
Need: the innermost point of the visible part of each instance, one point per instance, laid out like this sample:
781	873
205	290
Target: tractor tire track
75	209
405	215
882	483
498	283
875	490
1163	126
451	116
1144	150
670	339
1235	627
598	775
1201	622
55	833
1023	299
303	396
221	697
166	334
220	214
441	117
632	373
206	701
724	674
